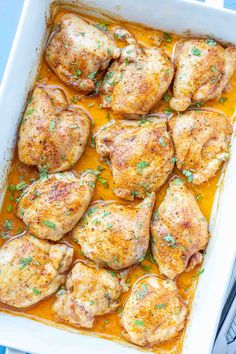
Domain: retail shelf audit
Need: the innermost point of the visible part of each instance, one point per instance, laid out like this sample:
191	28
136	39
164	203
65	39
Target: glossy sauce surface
109	325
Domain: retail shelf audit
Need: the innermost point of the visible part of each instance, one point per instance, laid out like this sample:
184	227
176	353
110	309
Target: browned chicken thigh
154	312
115	235
137	81
78	50
140	155
90	291
52	133
50	208
32	269
179	231
201	140
203	70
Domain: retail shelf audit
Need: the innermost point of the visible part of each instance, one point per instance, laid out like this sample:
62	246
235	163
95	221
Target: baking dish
173	16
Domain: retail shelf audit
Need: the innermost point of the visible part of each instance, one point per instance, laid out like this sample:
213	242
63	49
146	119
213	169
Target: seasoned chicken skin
179	231
52	134
77	51
114	234
32	269
137	81
90	291
203	70
140	155
201	140
154	312
52	207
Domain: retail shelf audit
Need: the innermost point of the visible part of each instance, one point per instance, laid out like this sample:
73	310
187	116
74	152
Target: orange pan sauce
109	325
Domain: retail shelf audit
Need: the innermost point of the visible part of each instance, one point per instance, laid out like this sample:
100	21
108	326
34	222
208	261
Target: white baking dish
170	15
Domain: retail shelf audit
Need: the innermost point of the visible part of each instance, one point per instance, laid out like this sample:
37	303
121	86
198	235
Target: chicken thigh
137	81
154	312
32	269
201	140
78	50
52	207
90	291
203	70
114	234
52	134
179	231
140	155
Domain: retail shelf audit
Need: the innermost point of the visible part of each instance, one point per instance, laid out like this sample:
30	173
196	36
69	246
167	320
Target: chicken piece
140	155
137	81
52	134
203	70
31	269
115	235
154	312
50	208
90	292
201	140
179	231
77	51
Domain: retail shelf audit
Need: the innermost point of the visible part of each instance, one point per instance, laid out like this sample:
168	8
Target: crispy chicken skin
115	235
140	155
32	269
201	140
52	134
90	291
52	207
154	312
137	81
179	231
203	70
78	50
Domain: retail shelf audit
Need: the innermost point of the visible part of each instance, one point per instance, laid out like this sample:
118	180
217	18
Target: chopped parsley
141	293
141	165
92	75
92	144
166	98
25	261
211	42
78	72
169	239
20	185
168	111
196	51
167	37
213	68
9	208
43	173
189	175
201	271
102	25
29	112
222	99
160	306
50	224
36	291
134	194
155	215
52	126
162	141
7	225
173	160
139	323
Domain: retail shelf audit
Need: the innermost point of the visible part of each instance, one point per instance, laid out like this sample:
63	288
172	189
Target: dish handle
215	3
13	351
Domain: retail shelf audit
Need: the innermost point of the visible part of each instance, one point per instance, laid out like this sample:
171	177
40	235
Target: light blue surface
9	16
